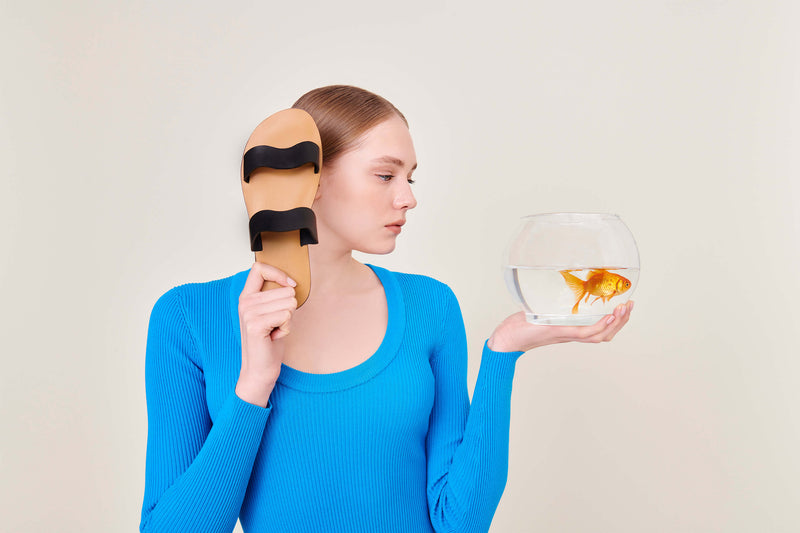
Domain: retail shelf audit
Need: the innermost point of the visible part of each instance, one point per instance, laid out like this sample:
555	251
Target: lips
396	227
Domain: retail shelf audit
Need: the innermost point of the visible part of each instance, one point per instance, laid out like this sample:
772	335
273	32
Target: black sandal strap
281	158
301	218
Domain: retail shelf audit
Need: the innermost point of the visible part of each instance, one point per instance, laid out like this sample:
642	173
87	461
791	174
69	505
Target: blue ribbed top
391	444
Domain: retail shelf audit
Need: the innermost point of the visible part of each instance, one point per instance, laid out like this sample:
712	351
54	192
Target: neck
335	271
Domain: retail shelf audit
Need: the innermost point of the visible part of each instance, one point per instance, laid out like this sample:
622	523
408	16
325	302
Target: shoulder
420	285
187	315
189	296
432	311
414	281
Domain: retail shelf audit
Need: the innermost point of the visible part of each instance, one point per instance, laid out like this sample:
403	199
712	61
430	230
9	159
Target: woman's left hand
516	334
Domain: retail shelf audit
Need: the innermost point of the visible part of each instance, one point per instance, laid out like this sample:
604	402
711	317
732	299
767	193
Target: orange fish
600	282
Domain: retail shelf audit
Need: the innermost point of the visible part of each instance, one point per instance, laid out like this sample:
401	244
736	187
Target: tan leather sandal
280	175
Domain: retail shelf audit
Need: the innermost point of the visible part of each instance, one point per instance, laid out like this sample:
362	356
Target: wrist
255	393
498	344
491	344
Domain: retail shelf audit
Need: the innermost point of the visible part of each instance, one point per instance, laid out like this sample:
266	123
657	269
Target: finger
581	333
282	330
261	272
255	305
261	326
600	330
604	328
623	313
258	299
586	333
248	314
283	304
278	333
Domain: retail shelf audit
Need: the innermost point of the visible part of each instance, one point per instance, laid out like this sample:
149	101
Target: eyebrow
392	160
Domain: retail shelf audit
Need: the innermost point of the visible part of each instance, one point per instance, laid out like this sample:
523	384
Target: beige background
120	135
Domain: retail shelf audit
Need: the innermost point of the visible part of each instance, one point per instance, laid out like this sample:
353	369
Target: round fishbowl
569	269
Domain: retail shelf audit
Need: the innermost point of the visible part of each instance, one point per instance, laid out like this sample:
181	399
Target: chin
377	250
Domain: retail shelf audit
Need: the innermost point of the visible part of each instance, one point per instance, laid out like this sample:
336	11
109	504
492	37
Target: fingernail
624	310
291	282
631	305
611	319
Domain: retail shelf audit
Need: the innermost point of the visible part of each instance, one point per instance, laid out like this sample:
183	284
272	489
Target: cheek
332	194
343	206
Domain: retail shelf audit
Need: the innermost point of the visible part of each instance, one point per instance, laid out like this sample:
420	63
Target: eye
385	177
412	181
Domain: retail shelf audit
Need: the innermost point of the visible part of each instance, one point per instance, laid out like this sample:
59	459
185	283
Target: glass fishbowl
571	269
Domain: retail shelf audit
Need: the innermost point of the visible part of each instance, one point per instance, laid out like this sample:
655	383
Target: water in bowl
547	299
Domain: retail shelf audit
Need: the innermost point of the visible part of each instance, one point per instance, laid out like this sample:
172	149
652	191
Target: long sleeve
196	472
467	444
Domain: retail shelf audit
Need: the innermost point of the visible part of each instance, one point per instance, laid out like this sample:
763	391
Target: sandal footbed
281	190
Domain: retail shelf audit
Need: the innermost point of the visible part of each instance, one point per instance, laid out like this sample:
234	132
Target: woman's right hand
264	318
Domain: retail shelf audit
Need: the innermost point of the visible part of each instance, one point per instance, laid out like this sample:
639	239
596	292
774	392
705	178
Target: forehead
389	142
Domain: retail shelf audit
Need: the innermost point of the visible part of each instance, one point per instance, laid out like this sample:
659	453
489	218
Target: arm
467	444
196	474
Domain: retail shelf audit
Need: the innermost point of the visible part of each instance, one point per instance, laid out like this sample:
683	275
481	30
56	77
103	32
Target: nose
404	197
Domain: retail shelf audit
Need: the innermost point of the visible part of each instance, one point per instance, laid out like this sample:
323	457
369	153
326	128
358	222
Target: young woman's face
364	195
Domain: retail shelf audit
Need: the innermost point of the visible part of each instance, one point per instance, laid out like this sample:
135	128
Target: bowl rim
582	213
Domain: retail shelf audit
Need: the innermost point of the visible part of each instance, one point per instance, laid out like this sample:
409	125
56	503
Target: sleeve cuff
487	350
247	416
501	365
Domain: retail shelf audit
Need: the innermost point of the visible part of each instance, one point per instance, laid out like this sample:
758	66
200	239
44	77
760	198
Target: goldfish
600	282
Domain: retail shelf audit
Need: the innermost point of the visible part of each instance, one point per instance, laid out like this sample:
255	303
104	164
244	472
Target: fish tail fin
577	285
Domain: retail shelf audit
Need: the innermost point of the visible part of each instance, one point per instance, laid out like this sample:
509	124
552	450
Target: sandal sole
282	190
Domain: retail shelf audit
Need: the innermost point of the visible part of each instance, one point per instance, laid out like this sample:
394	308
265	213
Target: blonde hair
343	114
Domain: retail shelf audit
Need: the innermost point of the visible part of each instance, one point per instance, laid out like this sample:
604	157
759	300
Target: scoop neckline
369	368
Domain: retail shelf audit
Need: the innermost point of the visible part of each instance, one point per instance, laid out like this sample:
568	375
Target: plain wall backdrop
121	130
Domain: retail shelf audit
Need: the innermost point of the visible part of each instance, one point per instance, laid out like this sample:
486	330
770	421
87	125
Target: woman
350	413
